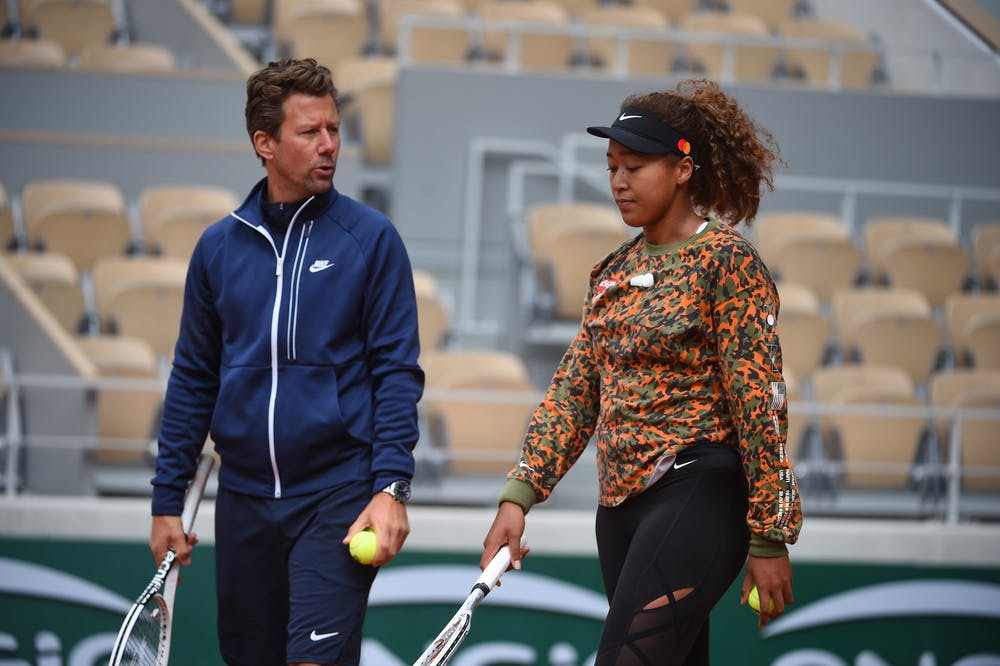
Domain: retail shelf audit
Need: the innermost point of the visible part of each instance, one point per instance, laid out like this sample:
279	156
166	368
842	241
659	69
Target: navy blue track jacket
300	360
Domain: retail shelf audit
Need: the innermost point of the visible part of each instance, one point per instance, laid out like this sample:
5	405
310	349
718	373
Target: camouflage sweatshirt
678	347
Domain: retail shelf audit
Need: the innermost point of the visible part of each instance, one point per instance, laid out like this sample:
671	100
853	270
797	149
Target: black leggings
668	555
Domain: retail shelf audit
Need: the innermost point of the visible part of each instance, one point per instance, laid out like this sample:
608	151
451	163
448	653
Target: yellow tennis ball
363	545
753	600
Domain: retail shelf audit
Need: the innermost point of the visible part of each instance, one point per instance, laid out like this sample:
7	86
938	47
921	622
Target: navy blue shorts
288	589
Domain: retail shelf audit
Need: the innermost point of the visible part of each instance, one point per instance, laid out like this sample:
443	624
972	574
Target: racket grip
496	568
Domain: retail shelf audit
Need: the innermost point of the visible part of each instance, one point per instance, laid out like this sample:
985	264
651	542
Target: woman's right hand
507	528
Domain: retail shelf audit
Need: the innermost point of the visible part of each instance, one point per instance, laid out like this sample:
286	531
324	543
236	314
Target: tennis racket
443	648
144	637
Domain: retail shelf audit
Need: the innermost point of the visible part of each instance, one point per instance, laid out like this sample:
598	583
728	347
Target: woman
676	374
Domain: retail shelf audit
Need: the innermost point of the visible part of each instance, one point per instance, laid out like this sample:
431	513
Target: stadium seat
880	232
32	53
772	12
282	12
564	242
803	330
522	38
963	312
980	455
822	263
127	417
73	24
374	104
433	317
720	34
84	220
838	56
427	44
173	217
871	323
672	9
328	33
771	229
644	56
132	58
478	407
934	267
247	11
54	278
985	240
141	297
982	340
8	234
351	73
874	450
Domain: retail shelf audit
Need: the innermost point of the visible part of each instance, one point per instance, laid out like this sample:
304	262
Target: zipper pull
278	268
309	228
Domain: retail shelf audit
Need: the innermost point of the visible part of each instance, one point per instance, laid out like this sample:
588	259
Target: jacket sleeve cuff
761	547
518	492
167	501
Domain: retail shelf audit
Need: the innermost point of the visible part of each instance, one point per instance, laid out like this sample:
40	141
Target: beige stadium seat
982	340
876	450
283	10
980	455
834	46
934	267
771	229
8	232
880	232
83	219
871	324
672	9
31	53
55	281
522	28
129	58
352	73
478	406
986	254
822	263
565	242
173	217
713	31
73	24
127	417
803	330
772	12
375	103
433	317
644	56
248	11
427	44
328	33
963	313
141	297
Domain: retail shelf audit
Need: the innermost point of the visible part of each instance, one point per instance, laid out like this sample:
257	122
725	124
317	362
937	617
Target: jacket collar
251	210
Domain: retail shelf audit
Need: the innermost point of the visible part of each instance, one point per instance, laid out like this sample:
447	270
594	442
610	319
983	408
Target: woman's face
645	187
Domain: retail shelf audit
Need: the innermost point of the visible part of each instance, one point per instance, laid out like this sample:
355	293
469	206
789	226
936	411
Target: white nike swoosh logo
684	464
320	266
318	637
624	117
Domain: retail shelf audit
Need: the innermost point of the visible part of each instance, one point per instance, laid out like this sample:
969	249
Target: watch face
401	490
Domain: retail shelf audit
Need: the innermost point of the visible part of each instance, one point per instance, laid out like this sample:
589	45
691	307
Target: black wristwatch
399	491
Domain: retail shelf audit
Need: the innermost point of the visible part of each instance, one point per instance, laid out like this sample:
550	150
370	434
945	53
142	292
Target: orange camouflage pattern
678	347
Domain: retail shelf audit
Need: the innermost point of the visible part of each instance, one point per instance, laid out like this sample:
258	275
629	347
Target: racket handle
196	490
496	568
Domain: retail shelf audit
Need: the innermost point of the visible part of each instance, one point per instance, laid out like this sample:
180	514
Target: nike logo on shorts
319	637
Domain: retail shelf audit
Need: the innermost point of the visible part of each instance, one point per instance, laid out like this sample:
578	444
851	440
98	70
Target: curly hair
735	156
269	87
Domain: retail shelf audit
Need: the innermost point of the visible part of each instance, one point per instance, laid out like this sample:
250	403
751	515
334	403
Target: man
298	353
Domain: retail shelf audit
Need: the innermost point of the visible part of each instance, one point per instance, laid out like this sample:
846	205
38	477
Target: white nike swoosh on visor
624	117
318	637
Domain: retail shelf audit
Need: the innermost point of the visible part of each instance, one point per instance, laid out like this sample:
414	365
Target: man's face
301	159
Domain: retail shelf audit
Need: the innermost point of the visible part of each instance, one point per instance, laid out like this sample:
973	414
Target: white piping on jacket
275	315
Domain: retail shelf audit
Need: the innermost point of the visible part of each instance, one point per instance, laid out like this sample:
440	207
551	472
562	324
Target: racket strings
143	645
